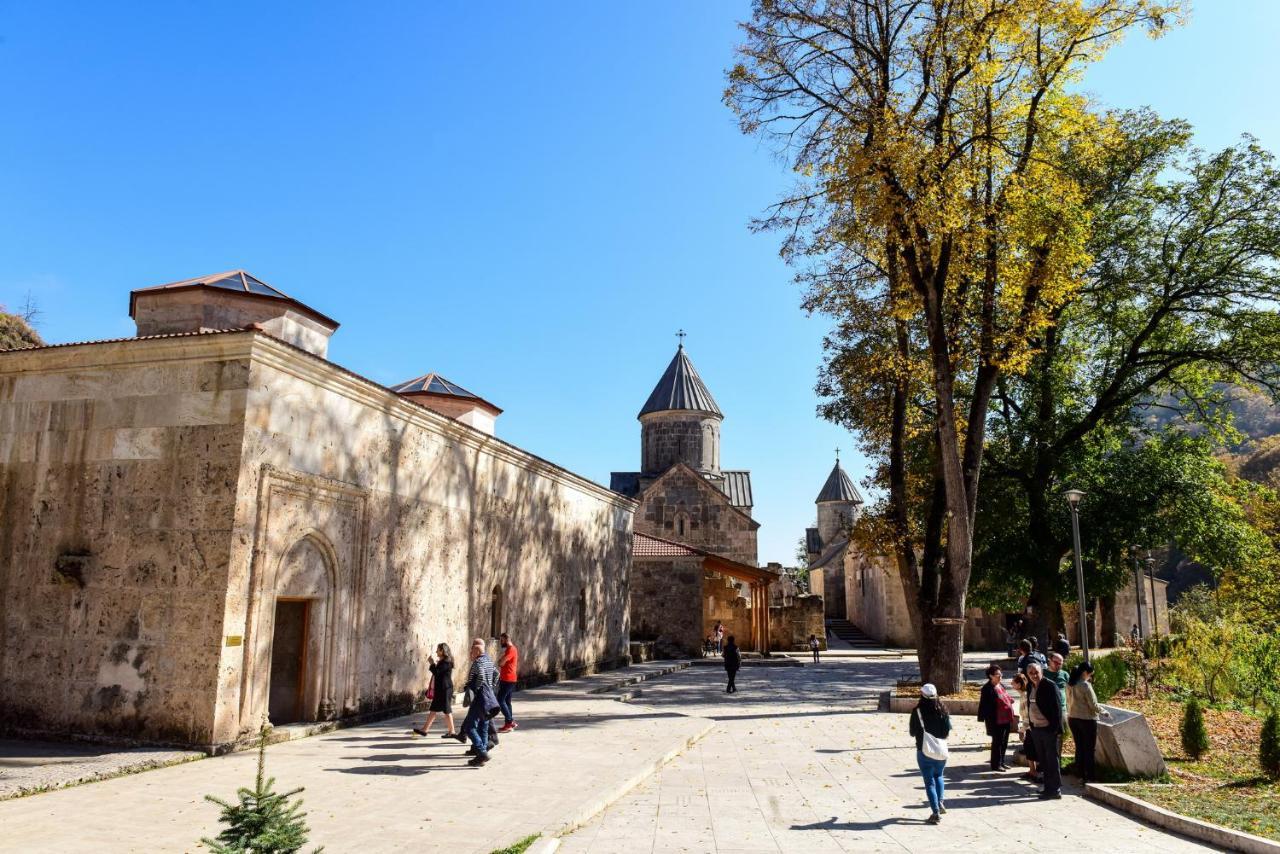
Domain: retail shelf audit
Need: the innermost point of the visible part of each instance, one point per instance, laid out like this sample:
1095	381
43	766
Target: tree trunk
1047	620
941	655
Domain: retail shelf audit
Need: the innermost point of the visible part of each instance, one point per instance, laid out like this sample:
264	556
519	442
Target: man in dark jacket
1046	728
1062	646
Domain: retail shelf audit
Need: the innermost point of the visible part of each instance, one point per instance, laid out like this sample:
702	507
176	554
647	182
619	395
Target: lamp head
1073	497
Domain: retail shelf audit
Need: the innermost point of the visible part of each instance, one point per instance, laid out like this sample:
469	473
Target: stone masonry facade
162	496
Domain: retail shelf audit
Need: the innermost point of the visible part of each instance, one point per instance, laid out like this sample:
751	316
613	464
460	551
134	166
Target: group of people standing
1052	702
487	693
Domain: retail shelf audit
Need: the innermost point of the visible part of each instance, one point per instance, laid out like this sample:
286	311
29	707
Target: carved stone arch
309	543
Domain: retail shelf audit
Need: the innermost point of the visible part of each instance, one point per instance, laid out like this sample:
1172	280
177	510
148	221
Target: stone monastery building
212	523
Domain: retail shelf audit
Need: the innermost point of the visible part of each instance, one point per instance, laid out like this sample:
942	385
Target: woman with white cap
930	724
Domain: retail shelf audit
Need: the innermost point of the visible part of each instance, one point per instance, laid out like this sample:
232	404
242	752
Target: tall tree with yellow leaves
931	212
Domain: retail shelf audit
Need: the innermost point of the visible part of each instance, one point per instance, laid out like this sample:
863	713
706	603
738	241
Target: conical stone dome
681	388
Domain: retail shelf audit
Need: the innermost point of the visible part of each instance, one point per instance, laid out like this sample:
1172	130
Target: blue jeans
505	690
476	726
931	770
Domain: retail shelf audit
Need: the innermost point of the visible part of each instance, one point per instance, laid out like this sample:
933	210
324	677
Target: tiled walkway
800	762
377	788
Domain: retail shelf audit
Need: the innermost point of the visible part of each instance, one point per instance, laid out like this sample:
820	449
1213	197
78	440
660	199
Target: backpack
931	746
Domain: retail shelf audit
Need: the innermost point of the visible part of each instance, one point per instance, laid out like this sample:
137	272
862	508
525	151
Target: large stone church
211	524
683	492
695	561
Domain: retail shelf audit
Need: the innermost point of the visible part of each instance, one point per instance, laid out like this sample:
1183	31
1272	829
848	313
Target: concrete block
1125	742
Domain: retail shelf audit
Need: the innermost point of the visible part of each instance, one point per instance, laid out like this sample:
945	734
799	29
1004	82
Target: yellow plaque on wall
234	640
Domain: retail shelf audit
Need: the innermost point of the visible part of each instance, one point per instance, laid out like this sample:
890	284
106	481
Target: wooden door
288	661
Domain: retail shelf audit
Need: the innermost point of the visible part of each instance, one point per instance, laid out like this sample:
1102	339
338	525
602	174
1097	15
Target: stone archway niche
307	574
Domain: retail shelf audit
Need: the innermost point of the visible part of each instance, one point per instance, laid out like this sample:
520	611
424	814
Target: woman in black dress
441	690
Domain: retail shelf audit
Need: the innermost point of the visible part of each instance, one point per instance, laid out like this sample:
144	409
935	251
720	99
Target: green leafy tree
261	821
935	223
1269	746
1195	738
1179	303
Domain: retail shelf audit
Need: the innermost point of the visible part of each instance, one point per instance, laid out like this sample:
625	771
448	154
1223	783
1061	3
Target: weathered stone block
1125	742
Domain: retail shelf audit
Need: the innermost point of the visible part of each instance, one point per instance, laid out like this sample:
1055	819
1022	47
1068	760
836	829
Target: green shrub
1195	738
1269	749
1110	675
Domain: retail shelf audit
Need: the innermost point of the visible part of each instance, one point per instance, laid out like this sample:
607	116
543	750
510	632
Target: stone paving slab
37	766
378	788
800	761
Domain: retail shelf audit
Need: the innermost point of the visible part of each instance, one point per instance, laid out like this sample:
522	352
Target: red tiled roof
129	338
643	545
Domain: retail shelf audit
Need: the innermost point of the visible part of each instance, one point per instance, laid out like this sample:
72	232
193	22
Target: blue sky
528	198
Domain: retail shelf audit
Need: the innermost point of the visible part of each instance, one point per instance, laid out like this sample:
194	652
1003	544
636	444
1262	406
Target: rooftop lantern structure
230	300
438	394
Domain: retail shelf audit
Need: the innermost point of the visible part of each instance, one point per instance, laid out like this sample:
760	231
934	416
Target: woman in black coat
995	708
441	690
732	661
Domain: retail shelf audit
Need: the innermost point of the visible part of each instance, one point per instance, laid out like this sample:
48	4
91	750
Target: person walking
440	691
508	666
718	634
813	647
930	724
1062	646
732	661
1046	730
1083	713
995	708
480	682
1023	686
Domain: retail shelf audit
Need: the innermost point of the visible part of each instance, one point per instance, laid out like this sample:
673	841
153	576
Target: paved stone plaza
797	761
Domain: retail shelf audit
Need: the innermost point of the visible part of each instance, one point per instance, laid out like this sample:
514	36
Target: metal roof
681	388
737	485
839	487
812	541
437	386
833	551
626	482
232	280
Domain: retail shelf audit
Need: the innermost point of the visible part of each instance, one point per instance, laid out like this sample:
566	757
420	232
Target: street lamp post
1073	497
1155	614
1137	593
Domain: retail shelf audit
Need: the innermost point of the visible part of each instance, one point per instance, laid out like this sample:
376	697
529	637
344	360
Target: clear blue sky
530	198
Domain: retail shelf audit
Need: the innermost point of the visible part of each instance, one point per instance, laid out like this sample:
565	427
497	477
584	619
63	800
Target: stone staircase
852	635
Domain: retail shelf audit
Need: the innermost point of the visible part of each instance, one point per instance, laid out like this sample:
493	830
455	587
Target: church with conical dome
683	492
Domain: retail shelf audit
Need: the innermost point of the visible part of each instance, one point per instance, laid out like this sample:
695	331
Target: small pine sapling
1195	738
263	821
1269	748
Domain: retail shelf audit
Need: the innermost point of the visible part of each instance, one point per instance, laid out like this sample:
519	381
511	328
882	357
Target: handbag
932	746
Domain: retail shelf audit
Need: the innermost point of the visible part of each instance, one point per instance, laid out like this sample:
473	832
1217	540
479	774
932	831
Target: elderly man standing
1045	711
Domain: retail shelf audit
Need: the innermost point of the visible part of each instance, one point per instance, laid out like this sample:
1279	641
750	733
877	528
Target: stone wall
432	531
875	602
834	586
118	476
681	506
722	602
160	496
791	623
666	604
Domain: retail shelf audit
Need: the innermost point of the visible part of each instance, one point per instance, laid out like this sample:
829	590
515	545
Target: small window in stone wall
582	610
495	612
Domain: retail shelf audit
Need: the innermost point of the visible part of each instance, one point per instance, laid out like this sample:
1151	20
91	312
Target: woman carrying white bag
931	725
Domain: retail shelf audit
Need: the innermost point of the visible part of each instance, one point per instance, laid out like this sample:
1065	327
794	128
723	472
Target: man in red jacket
508	665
